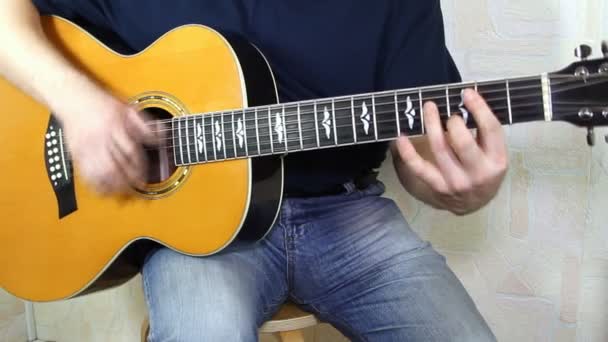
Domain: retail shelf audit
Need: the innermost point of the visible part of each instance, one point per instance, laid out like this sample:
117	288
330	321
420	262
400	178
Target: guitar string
415	91
428	89
280	149
292	136
266	127
312	137
249	112
441	106
263	116
268	152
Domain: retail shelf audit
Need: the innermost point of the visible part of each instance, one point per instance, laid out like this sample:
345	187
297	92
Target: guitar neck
347	120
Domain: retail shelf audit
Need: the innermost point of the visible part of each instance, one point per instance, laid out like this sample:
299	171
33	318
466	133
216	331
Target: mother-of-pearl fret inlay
218	136
410	112
365	118
463	110
279	127
199	138
326	123
240	132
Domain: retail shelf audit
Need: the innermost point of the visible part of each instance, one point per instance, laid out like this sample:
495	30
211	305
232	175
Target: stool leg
291	336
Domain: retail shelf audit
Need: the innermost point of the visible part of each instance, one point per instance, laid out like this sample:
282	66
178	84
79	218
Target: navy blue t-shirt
317	48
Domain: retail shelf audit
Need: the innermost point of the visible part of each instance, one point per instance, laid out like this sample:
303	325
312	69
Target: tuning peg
583	51
590	136
605	48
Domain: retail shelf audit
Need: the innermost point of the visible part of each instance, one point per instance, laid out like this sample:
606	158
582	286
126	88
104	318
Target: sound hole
161	162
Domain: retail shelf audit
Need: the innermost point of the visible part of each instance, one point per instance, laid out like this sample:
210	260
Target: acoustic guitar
217	180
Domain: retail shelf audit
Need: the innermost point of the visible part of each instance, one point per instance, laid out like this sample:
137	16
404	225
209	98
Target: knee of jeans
222	325
209	315
187	303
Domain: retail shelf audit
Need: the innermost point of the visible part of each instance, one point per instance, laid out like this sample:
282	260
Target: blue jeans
351	259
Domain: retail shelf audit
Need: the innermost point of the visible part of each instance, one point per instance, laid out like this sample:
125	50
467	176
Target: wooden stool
286	325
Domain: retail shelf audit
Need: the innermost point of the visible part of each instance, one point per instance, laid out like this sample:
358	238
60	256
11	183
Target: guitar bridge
59	168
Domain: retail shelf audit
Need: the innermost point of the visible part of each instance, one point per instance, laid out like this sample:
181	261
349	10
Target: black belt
361	183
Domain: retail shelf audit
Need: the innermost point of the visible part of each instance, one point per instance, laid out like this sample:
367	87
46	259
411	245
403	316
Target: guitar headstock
579	93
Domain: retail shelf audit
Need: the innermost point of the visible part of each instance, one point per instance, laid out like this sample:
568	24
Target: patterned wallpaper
535	260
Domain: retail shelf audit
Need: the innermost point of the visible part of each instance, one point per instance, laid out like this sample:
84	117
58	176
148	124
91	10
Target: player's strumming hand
105	138
464	172
103	135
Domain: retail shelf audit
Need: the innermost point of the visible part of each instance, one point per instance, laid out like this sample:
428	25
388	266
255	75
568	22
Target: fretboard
347	120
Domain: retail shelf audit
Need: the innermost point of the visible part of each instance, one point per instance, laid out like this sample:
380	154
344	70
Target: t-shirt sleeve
416	54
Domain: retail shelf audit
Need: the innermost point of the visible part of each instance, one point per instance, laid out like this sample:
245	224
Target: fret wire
204	138
333	111
317	124
234	137
213	136
447	97
509	103
285	129
421	110
374	111
352	110
397	115
181	147
245	132
300	128
223	136
174	150
270	130
257	131
195	137
475	86
188	142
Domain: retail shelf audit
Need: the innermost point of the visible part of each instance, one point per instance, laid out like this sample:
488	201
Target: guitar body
59	239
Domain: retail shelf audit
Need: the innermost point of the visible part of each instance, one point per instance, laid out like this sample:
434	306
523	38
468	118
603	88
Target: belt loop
350	187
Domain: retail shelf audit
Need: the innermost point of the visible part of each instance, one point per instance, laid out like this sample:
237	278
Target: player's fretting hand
465	172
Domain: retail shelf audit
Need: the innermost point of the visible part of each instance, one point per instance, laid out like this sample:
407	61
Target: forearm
30	61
